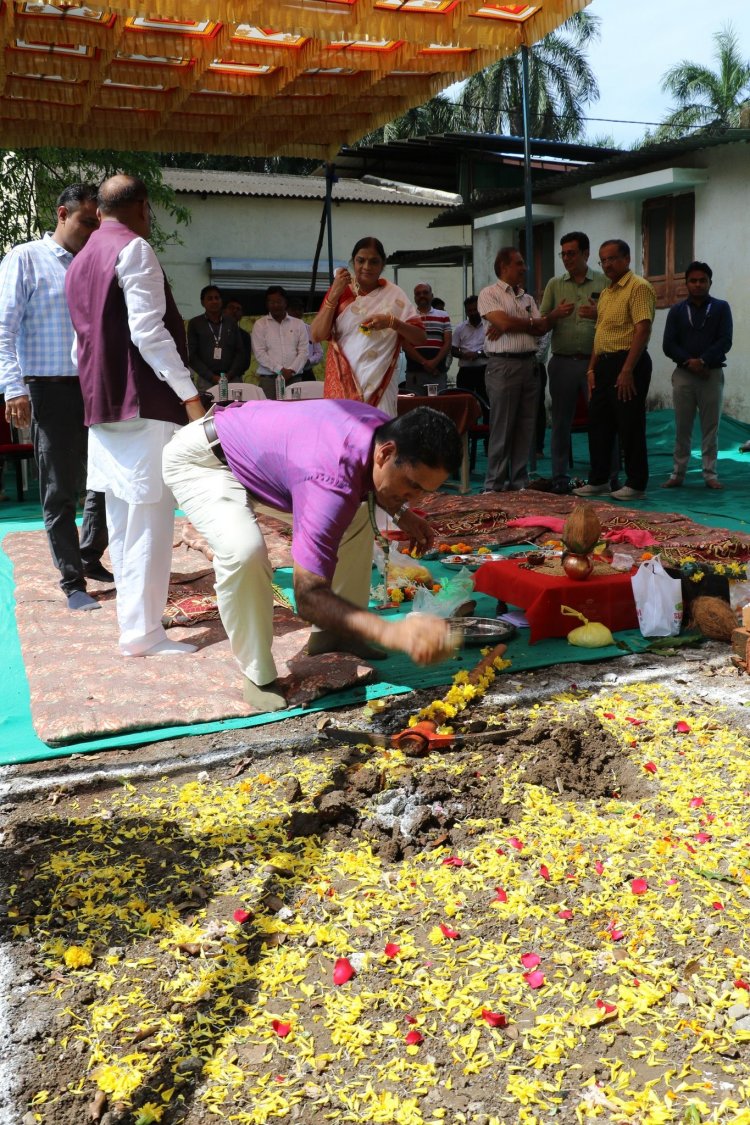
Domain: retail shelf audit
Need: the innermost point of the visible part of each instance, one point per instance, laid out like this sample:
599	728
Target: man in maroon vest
137	390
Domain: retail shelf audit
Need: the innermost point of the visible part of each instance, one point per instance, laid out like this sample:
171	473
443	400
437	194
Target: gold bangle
329	304
393	321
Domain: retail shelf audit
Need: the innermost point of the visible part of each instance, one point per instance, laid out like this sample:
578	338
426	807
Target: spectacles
568	253
607	261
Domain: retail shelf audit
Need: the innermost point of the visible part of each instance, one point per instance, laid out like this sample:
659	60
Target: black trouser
610	418
472	379
60	442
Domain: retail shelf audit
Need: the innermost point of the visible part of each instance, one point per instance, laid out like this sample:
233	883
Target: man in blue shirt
41	388
697	336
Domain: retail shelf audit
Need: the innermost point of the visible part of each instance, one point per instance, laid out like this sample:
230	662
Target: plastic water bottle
280	385
223	387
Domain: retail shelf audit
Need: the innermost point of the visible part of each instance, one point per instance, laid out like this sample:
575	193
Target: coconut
582	530
714	617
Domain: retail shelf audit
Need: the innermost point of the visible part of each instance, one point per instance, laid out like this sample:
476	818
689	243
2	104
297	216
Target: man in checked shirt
41	388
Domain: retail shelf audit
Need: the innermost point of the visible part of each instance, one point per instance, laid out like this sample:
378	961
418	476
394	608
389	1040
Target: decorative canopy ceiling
261	77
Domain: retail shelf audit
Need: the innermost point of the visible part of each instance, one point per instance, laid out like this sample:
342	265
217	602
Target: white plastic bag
452	595
658	600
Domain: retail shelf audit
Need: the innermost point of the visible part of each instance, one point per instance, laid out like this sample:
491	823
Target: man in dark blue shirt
697	336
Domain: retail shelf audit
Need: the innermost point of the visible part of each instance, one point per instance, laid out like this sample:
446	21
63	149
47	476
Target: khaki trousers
225	513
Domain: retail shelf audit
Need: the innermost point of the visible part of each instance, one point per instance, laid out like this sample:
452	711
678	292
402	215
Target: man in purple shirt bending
327	464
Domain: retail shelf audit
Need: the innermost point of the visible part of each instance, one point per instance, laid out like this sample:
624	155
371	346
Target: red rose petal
535	979
494	1019
343	971
718	905
514	842
413	1038
530	960
242	916
608	714
635	722
599	867
453	861
448	932
500	895
544	872
740	983
411	1019
696	802
650	767
566	914
639	886
608	1008
682	727
281	1029
615	934
392	950
703	837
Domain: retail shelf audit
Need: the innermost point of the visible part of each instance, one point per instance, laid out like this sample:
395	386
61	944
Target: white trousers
222	510
140	547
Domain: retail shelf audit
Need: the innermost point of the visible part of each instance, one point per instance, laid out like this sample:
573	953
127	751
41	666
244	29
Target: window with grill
668	237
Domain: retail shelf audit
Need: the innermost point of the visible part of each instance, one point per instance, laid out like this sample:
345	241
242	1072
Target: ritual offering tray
473	562
484	630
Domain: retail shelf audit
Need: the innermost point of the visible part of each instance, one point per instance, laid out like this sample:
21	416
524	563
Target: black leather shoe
98	573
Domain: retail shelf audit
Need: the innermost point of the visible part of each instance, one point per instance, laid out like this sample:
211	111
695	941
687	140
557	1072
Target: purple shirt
311	458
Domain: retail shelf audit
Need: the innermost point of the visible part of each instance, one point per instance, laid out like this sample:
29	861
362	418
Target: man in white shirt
41	388
137	390
280	343
468	348
512	338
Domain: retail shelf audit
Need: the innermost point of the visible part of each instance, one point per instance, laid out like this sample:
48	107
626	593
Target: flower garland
466	687
696	570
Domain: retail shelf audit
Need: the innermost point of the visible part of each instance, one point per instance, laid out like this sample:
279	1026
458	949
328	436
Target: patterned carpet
82	688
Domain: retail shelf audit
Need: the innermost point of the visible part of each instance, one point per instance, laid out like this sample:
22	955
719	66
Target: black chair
12	450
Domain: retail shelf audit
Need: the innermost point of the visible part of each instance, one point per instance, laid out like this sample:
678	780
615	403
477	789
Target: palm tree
561	82
708	99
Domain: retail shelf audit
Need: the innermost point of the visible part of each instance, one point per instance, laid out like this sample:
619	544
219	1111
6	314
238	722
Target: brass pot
577	567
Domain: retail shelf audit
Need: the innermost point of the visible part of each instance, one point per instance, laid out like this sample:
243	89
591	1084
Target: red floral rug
82	688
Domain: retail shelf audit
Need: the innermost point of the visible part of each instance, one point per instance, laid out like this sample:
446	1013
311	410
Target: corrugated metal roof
648	157
269	186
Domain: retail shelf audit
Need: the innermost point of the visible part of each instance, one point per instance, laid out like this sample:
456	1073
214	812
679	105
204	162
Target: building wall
720	240
243	227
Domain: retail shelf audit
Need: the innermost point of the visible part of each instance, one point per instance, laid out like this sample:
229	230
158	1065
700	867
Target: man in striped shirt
514	328
428	363
41	388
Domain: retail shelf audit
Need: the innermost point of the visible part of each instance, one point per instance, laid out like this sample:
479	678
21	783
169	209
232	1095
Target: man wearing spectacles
619	375
572	340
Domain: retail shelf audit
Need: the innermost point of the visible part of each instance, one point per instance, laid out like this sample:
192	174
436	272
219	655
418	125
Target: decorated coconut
581	534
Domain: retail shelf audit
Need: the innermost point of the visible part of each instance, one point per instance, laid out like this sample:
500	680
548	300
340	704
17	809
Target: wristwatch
399	515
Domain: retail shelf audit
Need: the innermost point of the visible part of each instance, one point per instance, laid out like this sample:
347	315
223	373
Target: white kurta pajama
125	463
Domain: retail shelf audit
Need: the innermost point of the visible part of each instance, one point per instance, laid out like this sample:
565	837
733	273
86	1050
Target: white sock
166	648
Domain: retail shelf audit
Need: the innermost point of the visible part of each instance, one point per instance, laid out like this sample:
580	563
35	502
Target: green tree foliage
707	99
33	179
561	83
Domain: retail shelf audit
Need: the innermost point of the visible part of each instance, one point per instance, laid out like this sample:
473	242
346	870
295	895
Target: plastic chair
13	450
480	431
248	391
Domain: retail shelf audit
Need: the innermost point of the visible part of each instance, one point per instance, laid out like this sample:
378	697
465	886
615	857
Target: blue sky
640	40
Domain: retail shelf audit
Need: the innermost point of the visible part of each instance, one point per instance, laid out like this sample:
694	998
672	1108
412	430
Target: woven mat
483	519
82	688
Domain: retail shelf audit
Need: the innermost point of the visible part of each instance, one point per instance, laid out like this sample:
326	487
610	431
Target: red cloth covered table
605	597
464	410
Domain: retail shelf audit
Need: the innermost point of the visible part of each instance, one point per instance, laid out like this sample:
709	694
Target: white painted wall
721	225
244	227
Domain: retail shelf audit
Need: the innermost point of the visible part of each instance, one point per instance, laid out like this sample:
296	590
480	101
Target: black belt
52	379
213	441
510	355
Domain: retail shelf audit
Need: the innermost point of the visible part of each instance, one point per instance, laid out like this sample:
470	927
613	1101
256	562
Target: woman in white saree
365	317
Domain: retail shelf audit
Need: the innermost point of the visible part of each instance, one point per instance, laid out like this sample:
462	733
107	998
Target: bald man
137	391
